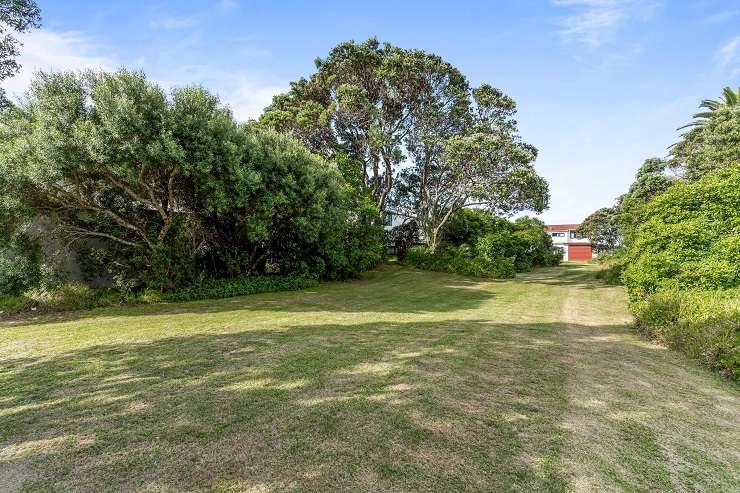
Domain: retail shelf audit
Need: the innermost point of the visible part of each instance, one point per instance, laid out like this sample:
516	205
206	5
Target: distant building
564	237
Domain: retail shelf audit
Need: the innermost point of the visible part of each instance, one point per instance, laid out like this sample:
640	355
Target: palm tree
729	98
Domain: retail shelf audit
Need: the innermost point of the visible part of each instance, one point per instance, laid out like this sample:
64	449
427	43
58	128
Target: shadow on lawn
582	276
391	289
382	406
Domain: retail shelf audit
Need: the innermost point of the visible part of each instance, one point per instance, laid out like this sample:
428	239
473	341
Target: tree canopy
408	114
170	185
713	140
16	16
602	228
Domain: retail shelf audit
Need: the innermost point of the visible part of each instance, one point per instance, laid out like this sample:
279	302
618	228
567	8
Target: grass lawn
403	381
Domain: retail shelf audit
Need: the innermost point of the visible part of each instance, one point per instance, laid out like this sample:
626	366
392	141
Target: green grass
403	381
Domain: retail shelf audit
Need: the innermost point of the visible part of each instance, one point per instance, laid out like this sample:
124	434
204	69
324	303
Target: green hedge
703	324
67	297
688	238
240	286
460	260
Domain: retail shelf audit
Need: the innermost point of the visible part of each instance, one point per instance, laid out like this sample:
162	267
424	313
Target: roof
560	227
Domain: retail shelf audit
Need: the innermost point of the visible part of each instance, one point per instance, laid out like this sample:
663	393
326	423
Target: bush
524	240
240	286
689	237
611	267
19	271
61	298
459	260
703	324
170	188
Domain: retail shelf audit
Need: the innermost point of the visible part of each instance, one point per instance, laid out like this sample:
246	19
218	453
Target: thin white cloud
595	22
728	56
229	4
49	50
245	92
170	23
249	96
721	16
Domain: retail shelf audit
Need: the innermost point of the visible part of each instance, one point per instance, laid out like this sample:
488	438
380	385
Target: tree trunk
433	238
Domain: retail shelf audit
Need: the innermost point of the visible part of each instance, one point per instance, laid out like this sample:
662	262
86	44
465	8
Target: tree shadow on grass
365	407
390	290
581	276
444	406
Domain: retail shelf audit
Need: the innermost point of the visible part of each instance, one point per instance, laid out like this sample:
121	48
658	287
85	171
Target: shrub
689	237
703	324
459	260
240	286
170	188
19	270
611	267
524	240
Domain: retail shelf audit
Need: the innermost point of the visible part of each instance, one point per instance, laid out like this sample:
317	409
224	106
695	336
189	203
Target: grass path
403	381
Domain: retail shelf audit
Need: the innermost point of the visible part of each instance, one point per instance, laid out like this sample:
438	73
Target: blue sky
601	84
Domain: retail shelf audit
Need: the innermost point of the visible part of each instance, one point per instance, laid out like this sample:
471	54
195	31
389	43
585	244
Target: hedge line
68	297
459	260
240	286
704	324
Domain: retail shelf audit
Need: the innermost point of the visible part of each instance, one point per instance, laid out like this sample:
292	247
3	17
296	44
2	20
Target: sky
600	85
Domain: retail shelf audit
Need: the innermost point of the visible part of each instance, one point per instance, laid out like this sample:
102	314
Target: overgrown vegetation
705	324
479	244
680	257
460	260
158	192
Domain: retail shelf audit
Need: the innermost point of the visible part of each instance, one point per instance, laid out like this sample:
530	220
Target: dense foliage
162	191
705	324
477	243
688	237
460	260
602	228
680	258
383	107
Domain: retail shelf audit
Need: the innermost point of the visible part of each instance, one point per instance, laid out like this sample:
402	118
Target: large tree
170	185
713	140
602	228
16	16
362	102
468	156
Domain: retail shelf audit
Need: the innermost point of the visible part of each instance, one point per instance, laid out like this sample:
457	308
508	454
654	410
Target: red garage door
579	253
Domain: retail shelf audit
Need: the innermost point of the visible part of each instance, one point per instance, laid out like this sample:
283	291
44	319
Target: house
564	237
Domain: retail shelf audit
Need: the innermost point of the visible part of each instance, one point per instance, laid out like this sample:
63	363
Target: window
572	234
558	235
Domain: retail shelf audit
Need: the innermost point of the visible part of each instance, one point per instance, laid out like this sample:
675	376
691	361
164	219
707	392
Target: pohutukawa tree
362	102
602	228
471	158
